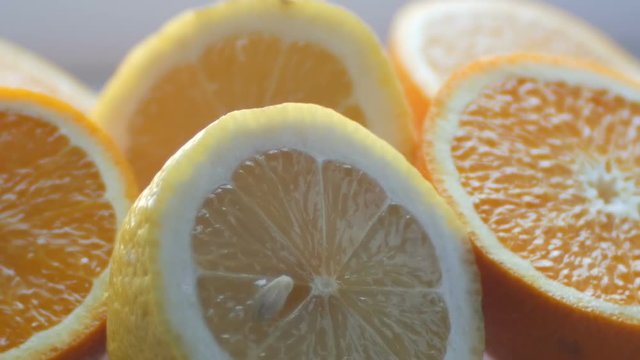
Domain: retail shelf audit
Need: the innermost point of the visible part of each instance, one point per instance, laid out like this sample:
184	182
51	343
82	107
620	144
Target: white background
89	37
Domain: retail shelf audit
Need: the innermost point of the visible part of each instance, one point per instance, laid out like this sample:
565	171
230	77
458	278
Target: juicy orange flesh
56	229
488	31
553	170
239	72
366	277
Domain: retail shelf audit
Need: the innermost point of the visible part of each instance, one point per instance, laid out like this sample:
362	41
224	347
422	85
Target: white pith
610	191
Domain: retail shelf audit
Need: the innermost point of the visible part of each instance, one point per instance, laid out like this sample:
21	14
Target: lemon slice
246	54
292	232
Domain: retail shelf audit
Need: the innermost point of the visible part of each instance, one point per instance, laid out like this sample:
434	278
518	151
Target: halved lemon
291	232
246	54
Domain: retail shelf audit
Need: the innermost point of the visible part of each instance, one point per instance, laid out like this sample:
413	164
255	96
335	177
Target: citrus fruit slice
429	40
20	68
246	54
64	188
540	156
291	232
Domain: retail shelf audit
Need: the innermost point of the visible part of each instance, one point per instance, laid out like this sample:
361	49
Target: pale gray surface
89	37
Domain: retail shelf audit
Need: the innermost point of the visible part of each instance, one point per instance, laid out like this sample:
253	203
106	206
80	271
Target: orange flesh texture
552	169
56	227
525	323
365	273
238	72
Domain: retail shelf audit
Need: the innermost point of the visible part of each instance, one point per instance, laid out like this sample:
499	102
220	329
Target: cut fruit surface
429	40
540	156
20	68
210	61
64	188
299	235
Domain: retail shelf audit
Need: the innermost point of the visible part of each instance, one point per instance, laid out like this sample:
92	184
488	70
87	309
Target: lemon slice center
324	286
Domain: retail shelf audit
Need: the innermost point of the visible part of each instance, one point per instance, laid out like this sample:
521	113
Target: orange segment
540	158
208	62
558	162
58	220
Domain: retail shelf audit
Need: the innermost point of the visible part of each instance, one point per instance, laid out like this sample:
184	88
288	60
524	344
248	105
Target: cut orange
291	232
540	157
246	54
64	188
431	39
20	68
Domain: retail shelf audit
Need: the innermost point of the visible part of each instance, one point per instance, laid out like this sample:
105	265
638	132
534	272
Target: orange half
64	188
540	156
430	40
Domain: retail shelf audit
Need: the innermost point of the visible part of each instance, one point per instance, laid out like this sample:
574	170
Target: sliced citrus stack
290	232
64	188
20	68
246	54
431	39
540	156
